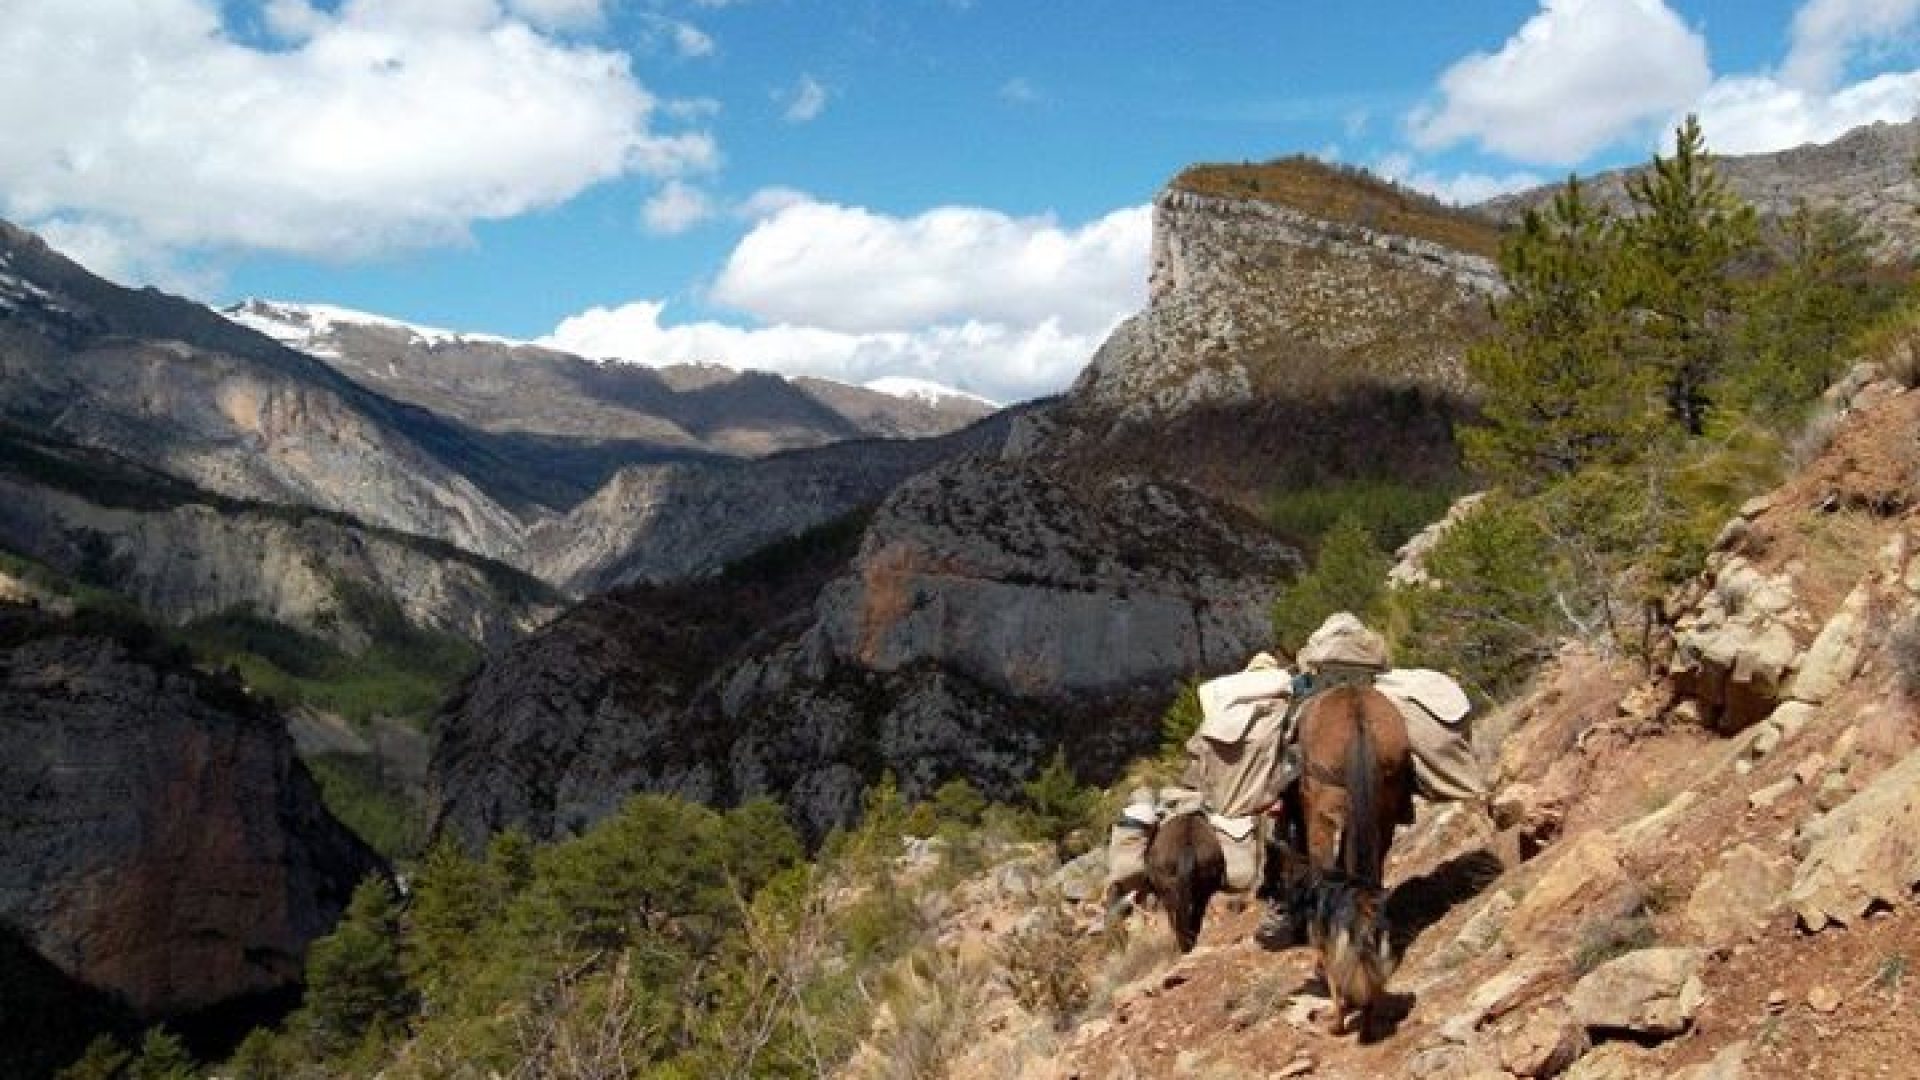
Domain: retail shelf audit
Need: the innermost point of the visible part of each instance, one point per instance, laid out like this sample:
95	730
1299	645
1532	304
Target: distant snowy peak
313	328
924	390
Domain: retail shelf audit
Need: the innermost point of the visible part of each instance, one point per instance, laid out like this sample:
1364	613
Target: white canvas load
1243	841
1234	759
1434	707
1127	843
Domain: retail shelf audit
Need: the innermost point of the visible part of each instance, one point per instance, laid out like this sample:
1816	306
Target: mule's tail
1360	853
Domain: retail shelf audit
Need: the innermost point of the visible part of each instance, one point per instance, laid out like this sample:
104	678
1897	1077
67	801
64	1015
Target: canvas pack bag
1435	708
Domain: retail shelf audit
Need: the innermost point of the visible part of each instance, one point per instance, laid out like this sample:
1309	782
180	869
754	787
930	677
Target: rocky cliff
1868	172
1294	279
992	612
161	842
1306	325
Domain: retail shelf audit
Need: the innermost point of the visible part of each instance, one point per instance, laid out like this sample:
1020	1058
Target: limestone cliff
992	612
1294	279
162	843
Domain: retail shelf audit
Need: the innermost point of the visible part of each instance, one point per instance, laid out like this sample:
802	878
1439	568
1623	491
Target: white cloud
385	125
676	207
850	269
1020	90
688	40
1827	32
806	101
1010	308
558	14
1576	77
994	360
769	201
1756	114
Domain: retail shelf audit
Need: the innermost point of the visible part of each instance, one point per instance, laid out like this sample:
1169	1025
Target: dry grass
1046	964
1346	195
931	1000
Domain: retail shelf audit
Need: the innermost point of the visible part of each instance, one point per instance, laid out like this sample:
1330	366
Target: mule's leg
1337	1023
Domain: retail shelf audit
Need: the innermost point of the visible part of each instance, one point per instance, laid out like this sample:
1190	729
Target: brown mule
1356	782
1185	867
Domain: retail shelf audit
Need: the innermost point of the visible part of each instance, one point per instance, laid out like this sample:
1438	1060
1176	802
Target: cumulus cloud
806	101
851	269
675	208
1827	32
1009	308
769	201
1003	363
559	14
1806	101
1576	77
1756	114
382	125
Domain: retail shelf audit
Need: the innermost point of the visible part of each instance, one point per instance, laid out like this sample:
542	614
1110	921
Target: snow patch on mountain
925	390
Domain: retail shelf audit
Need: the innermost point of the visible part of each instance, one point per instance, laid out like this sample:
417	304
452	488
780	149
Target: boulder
1084	877
1735	897
1729	1064
1835	654
1865	851
1652	992
1586	876
1545	1044
1614	1061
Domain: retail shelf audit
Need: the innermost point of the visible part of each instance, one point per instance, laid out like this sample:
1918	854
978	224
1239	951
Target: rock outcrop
1256	293
162	843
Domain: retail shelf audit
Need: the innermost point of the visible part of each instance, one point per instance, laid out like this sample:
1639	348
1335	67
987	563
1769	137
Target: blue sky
947	189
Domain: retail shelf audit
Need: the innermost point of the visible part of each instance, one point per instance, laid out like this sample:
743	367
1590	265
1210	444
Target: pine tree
355	984
104	1059
1350	574
1797	320
1683	245
162	1057
454	897
1559	389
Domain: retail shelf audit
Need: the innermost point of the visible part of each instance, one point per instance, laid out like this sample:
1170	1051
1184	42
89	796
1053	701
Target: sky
954	190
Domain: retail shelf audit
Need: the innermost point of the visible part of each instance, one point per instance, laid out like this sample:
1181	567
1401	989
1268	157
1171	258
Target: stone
1835	654
1651	992
1823	999
1809	767
1495	998
1544	1045
1478	934
1082	878
1734	898
1585	875
1764	798
1613	1061
1791	716
1299	1066
1864	851
1729	1064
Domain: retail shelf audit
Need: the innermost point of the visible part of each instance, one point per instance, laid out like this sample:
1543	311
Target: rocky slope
184	554
1702	872
162	843
1867	172
507	386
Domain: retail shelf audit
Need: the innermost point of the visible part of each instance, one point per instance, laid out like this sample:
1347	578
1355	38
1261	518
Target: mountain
1868	172
507	386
